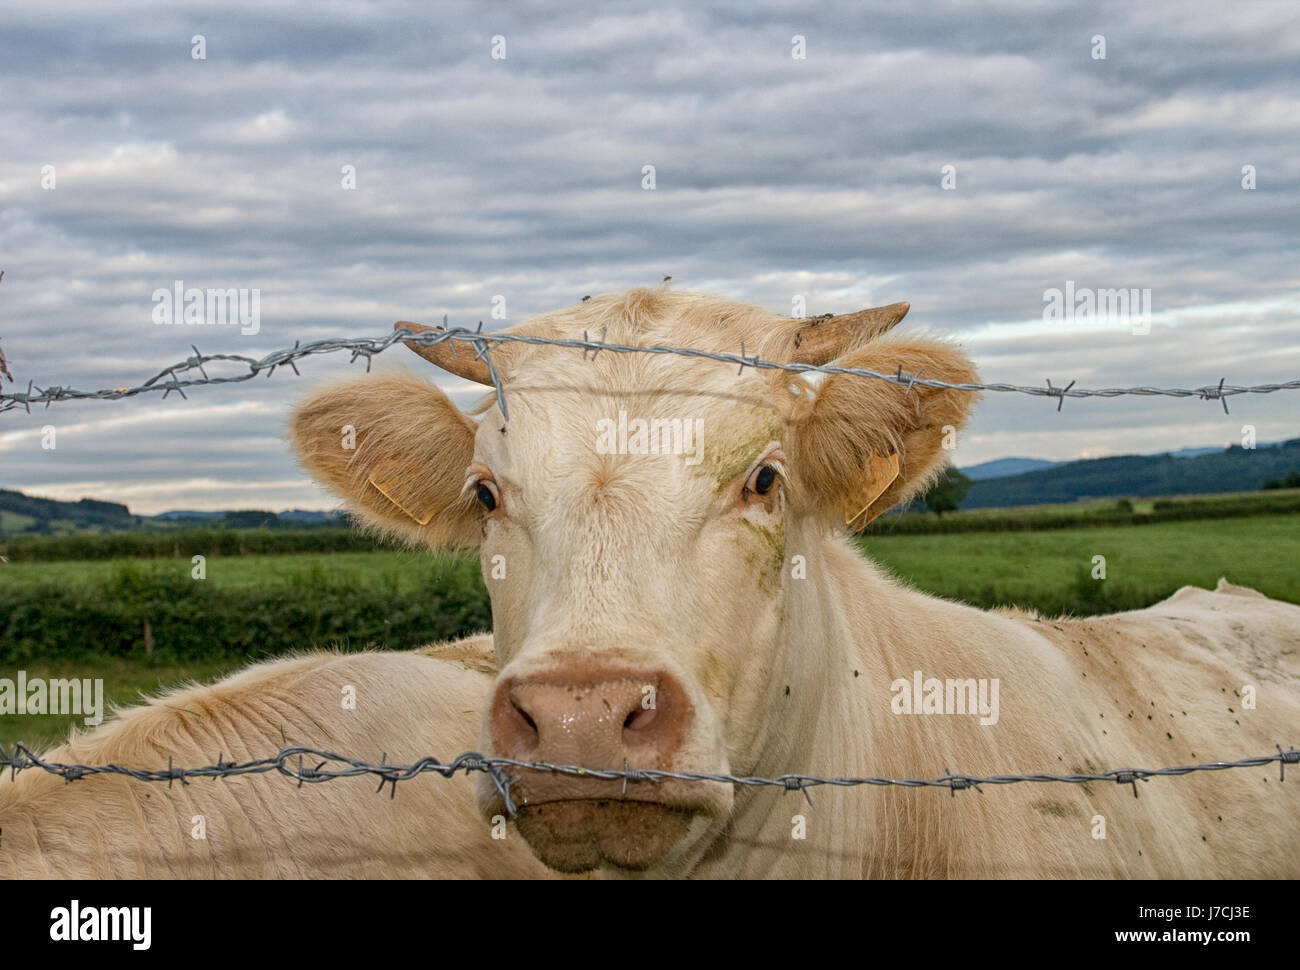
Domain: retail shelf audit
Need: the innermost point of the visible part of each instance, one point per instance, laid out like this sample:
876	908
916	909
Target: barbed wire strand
174	377
496	769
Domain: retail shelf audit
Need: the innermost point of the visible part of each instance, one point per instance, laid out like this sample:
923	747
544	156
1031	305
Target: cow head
636	518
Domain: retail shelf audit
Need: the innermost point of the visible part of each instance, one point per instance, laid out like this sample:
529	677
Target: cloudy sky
128	163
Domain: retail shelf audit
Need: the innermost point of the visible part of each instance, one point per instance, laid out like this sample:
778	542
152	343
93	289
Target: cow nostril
639	719
523	716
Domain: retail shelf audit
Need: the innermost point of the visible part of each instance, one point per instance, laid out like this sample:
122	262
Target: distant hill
1232	469
308	517
22	514
254	518
1197	452
1002	467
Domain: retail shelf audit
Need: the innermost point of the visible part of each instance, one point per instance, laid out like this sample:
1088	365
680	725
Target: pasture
87	618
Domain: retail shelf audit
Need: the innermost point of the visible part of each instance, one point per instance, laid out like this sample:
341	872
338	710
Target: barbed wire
176	377
496	769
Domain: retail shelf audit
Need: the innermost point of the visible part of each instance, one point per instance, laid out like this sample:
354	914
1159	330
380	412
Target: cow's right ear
395	449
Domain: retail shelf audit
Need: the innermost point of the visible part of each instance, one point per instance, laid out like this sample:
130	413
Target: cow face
637	517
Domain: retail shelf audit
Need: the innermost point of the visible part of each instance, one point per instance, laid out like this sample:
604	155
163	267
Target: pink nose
595	719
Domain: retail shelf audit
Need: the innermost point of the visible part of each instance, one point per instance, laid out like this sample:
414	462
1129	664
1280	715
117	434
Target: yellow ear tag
395	483
876	477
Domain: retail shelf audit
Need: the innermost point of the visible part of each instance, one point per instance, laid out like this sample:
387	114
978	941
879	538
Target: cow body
264	826
694	605
1147	689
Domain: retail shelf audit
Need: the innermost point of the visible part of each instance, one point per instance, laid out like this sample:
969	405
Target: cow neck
842	623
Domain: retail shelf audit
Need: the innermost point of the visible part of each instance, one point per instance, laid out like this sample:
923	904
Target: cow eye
487	495
762	480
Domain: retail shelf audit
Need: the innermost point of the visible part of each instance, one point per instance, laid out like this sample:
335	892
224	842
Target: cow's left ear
847	437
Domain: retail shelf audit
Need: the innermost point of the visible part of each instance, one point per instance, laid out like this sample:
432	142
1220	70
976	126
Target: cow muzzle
601	717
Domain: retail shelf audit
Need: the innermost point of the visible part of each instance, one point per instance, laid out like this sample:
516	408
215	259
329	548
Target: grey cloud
521	177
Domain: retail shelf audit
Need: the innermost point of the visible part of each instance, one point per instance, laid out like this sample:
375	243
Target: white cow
673	587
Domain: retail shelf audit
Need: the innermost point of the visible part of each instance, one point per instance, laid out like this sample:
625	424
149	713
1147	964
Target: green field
88	618
13	522
390	569
126	681
1051	570
1087	513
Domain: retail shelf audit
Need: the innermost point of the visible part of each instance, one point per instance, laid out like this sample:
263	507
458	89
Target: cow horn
454	356
821	340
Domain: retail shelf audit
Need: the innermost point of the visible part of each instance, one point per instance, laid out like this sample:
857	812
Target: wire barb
1215	394
911	379
1286	758
958	783
1130	778
797	783
1058	392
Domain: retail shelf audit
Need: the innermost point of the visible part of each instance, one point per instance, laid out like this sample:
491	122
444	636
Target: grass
14	522
243	608
399	570
1094	513
182	542
1052	570
322	598
126	681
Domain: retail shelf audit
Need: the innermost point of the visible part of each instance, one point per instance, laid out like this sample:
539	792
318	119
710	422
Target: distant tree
945	495
1292	480
251	519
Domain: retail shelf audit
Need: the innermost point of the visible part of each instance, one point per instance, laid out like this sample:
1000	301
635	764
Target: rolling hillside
1002	467
22	514
1139	476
